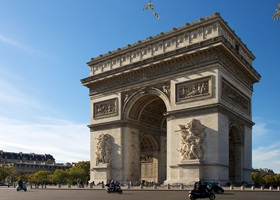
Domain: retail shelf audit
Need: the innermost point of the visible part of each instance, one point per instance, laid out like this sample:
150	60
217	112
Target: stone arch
145	110
144	94
235	153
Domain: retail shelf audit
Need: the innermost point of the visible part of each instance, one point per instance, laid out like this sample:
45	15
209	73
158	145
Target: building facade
173	108
28	163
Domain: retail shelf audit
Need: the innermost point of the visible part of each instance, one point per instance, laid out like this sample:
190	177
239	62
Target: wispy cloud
27	125
67	141
267	157
266	144
14	43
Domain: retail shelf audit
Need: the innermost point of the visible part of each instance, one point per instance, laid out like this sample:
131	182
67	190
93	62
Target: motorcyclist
112	185
200	188
20	183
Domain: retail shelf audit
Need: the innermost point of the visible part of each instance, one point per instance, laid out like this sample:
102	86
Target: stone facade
176	107
28	163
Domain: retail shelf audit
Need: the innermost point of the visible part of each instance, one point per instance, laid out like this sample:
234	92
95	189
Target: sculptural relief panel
103	149
192	140
194	89
233	95
105	108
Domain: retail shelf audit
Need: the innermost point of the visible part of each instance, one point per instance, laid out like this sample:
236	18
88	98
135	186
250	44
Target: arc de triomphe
173	108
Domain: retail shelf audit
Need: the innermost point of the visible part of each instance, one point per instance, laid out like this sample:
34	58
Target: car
3	184
215	187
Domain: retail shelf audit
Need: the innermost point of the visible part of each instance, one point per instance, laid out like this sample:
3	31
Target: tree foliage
276	15
3	173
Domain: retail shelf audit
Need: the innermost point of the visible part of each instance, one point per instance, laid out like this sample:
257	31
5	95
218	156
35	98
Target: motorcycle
115	189
22	187
209	193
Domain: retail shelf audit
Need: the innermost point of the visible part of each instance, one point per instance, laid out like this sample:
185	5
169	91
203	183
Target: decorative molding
106	108
211	27
236	97
196	89
151	73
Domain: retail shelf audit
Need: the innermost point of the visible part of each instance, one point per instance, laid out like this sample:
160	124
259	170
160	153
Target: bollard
270	188
141	186
253	188
262	188
278	188
231	187
242	187
155	187
168	186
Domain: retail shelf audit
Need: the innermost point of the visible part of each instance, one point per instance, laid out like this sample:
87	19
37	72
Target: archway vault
147	106
146	109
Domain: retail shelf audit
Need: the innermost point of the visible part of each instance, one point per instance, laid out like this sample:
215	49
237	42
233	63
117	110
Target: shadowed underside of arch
149	110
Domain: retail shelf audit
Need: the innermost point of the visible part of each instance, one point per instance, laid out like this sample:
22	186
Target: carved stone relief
194	89
104	149
233	95
105	108
192	140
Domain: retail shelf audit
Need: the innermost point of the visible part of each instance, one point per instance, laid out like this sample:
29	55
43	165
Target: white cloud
14	43
65	140
26	125
267	157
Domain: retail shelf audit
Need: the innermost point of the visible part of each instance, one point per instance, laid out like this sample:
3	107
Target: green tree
277	179
59	176
269	180
42	176
3	173
256	177
79	172
276	15
12	174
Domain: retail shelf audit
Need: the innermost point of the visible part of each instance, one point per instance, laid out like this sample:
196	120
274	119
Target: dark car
3	184
215	187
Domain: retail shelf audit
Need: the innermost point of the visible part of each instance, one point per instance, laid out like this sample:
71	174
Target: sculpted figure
192	140
103	149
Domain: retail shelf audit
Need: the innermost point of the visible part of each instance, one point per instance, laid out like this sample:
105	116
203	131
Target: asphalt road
85	194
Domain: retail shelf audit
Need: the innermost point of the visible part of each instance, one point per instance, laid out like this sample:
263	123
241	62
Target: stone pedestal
190	171
101	173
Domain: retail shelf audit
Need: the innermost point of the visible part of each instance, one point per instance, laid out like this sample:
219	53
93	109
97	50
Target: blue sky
44	47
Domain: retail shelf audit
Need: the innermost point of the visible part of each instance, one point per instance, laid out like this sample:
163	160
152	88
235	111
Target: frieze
237	72
105	108
155	72
233	95
194	89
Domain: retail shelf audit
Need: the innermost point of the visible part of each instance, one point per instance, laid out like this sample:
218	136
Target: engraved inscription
232	94
105	108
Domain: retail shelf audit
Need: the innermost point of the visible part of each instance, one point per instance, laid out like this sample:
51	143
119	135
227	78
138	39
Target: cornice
211	108
171	42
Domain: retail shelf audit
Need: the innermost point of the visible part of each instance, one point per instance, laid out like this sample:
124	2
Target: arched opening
235	155
147	113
